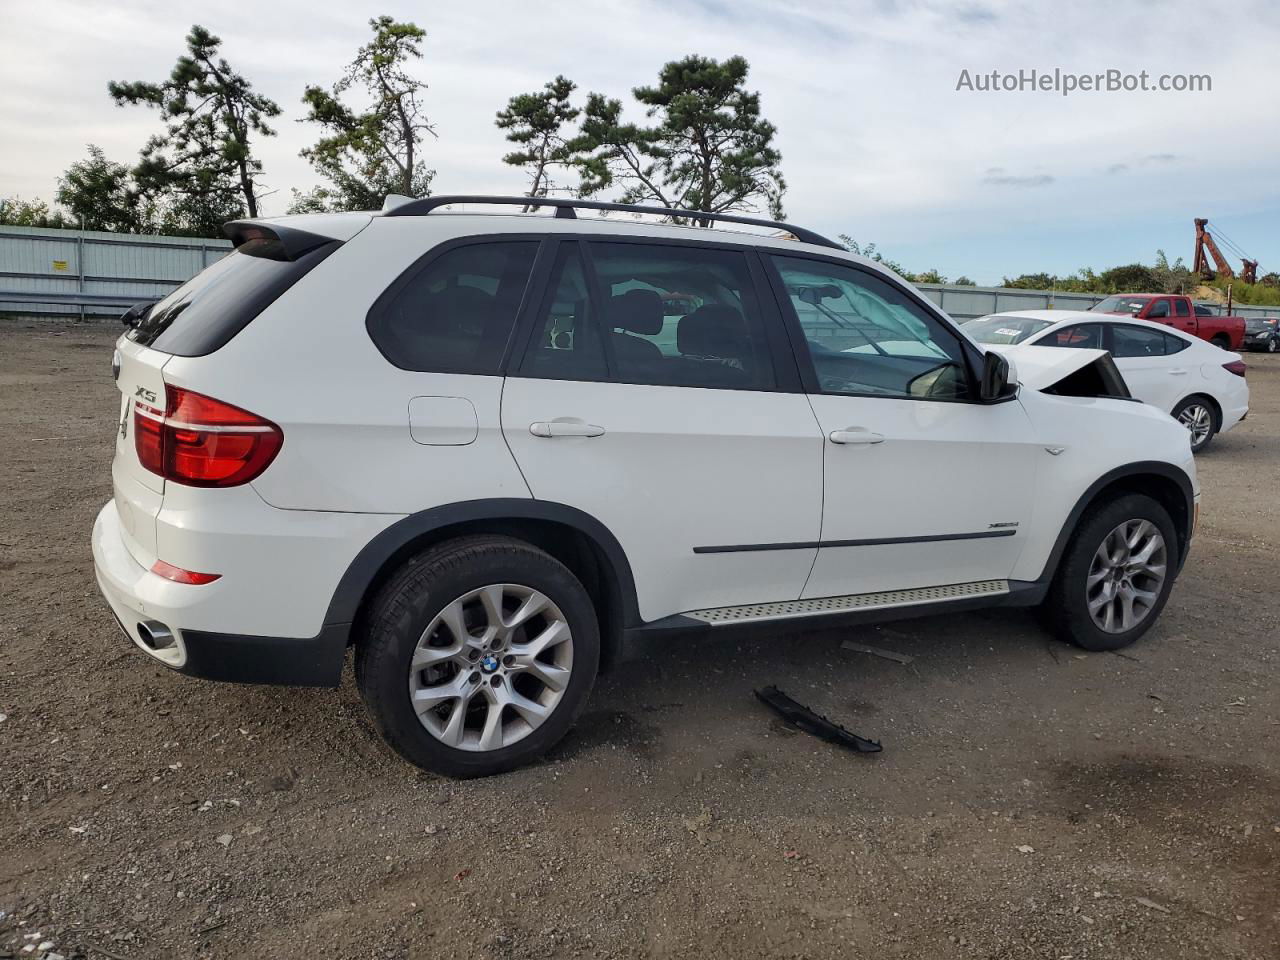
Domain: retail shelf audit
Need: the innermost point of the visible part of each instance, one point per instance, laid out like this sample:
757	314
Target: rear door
1182	317
657	394
1142	356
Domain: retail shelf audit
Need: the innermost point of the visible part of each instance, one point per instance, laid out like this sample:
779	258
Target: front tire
478	655
1200	418
1115	575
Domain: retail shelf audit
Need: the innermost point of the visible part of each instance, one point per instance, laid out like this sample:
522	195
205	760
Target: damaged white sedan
1200	385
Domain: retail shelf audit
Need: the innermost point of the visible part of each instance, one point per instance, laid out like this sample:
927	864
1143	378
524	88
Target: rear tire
1221	341
1200	417
1104	568
477	656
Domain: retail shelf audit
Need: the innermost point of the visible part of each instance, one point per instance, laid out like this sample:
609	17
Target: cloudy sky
876	140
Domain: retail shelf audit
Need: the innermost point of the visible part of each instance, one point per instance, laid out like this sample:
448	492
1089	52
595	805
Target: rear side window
663	315
1174	344
217	303
454	313
682	316
1181	309
1127	341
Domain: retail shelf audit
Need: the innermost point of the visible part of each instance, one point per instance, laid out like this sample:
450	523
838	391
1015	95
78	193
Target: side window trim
800	349
534	295
787	367
596	311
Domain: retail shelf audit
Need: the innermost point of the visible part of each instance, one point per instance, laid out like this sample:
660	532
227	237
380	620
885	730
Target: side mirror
999	378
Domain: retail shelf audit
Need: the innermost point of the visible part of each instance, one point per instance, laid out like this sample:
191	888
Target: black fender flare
1136	469
362	571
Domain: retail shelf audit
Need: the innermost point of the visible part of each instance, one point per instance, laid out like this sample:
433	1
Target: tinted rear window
220	301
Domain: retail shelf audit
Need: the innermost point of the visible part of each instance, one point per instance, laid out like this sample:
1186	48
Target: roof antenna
394	200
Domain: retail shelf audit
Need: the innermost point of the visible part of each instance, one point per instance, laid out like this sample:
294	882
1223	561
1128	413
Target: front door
923	485
649	397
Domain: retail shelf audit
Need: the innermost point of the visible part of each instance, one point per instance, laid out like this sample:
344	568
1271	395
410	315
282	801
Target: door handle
1179	372
565	427
855	435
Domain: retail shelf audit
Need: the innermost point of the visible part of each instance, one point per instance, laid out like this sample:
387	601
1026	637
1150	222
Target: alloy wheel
1126	576
491	667
1197	418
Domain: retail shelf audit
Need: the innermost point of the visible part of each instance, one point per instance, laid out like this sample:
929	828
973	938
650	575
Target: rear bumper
1233	414
153	612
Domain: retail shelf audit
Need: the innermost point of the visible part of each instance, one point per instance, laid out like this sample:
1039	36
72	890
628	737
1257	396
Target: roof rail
565	207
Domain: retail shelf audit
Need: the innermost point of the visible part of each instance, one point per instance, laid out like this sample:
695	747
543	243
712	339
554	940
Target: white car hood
1042	367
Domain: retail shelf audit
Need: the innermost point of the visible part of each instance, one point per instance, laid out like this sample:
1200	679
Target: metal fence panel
87	273
965	303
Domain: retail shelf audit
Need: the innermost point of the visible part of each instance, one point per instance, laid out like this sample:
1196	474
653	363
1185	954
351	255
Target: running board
888	599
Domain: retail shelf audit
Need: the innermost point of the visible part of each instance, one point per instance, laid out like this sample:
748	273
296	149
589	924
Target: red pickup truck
1178	312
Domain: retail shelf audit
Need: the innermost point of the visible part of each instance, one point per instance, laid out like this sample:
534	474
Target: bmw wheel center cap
489	664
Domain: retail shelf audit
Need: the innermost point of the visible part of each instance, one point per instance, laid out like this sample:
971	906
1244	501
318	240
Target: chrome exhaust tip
155	635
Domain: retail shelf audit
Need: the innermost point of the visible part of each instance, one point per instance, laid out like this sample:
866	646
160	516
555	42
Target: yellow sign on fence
60	266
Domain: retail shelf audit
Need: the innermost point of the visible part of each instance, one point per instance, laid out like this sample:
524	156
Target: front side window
1127	341
455	313
1086	336
867	337
1159	309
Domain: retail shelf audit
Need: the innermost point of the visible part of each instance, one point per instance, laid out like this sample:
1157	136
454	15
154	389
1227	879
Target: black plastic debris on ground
798	715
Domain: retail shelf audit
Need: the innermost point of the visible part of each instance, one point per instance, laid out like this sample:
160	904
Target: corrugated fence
69	273
90	274
965	303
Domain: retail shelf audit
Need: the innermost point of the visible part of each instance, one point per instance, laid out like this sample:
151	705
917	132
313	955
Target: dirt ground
1031	800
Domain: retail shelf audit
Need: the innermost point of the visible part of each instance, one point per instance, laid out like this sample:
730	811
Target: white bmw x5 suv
485	448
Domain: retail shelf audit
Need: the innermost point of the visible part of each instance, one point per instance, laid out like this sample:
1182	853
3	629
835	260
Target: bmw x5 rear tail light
1235	366
203	442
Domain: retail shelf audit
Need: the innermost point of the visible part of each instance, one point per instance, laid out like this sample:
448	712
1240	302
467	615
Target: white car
1199	384
485	448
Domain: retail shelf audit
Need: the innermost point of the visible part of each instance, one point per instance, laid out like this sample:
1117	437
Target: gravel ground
1031	800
